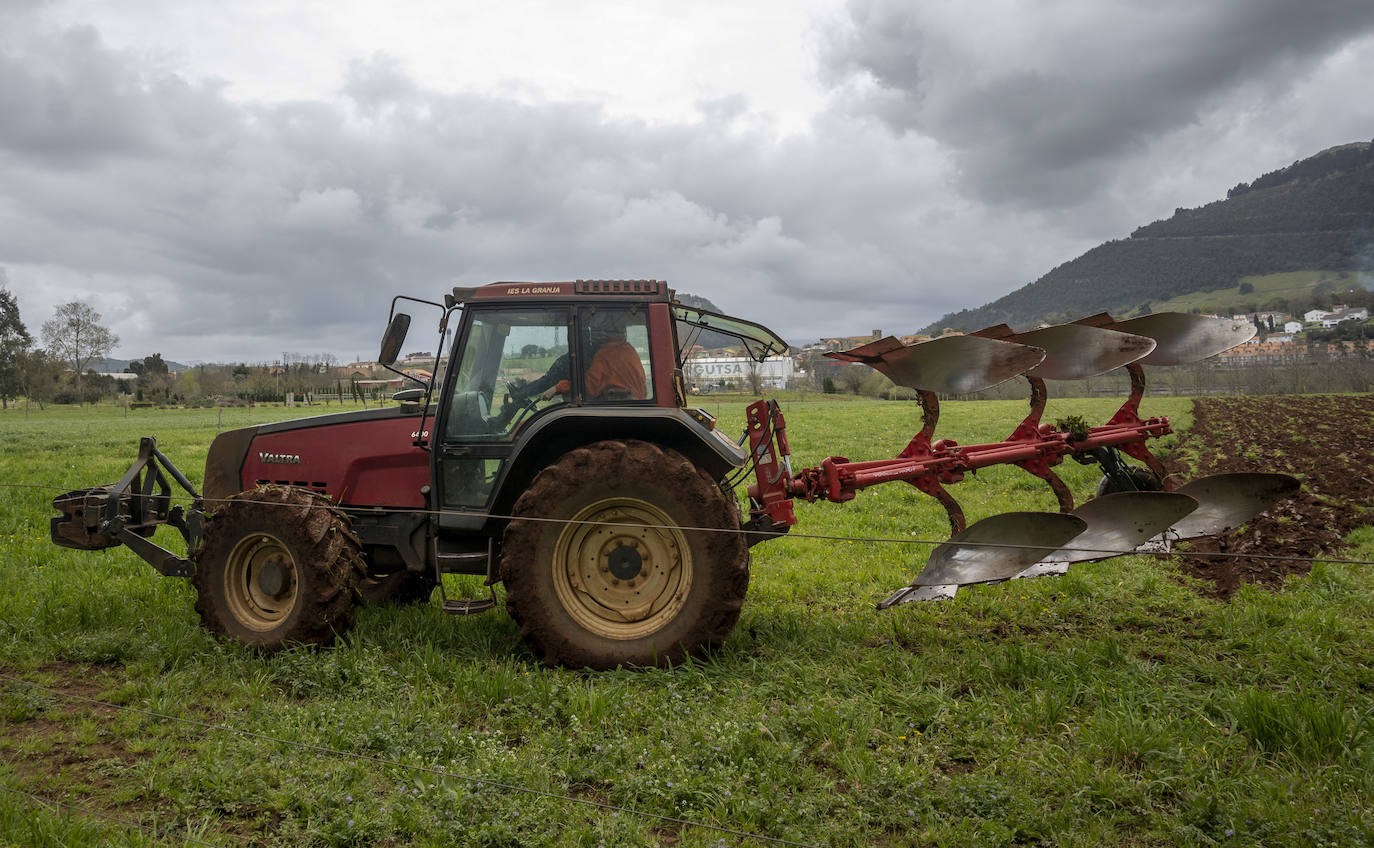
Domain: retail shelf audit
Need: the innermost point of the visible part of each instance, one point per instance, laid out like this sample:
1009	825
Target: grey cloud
74	102
207	228
1041	108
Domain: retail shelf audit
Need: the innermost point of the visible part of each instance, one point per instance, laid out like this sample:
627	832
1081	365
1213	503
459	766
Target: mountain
1314	215
121	366
708	339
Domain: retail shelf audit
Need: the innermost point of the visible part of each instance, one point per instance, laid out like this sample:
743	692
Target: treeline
1314	215
47	380
74	342
1347	157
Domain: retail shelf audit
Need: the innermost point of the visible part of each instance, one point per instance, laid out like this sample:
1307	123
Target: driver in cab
615	371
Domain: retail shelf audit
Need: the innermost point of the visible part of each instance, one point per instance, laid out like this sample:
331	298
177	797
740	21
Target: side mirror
394	338
408	395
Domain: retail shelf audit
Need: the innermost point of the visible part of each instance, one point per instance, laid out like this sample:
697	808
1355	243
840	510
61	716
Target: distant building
738	372
1333	318
1292	326
1273	351
1264	353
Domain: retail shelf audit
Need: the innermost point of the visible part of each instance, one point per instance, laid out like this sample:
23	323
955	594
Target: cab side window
616	353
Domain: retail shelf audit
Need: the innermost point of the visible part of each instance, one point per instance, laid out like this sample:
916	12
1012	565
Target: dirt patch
69	751
1322	440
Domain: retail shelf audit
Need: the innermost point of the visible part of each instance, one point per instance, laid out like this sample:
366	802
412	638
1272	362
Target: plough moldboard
1136	507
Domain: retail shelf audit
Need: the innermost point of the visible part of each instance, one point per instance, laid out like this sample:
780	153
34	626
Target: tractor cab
536	369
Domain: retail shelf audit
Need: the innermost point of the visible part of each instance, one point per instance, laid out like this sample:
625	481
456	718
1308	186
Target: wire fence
1100	552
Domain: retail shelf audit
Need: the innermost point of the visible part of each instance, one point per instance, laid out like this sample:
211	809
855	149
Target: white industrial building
718	373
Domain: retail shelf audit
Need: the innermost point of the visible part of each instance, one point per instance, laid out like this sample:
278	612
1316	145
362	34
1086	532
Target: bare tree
76	336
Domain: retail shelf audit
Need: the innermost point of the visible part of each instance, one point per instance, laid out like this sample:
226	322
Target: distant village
1281	340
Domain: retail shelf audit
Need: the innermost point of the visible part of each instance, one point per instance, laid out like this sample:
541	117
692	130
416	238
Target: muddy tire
617	578
278	566
398	587
1144	479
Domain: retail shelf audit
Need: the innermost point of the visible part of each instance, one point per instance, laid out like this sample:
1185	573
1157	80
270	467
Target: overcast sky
228	181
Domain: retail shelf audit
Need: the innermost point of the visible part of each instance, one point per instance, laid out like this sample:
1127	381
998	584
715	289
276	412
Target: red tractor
555	452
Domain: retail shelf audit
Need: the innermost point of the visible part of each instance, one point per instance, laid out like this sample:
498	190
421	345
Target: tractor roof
758	340
642	290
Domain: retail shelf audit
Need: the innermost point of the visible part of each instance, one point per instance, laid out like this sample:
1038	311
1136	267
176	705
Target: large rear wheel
278	566
624	553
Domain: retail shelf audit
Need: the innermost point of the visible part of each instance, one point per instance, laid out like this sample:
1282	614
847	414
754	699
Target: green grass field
1114	706
1264	288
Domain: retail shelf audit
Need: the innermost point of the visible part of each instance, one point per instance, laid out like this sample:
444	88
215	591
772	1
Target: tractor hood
366	457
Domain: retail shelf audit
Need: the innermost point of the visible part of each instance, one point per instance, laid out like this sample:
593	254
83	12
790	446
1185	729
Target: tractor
554	451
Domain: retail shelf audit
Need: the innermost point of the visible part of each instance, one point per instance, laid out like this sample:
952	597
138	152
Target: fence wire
1048	549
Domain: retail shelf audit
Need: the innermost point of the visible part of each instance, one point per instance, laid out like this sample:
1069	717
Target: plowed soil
1326	441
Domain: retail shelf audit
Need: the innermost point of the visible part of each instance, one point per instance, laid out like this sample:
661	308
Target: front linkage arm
128	512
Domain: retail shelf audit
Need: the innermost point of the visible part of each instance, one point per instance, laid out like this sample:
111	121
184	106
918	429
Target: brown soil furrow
1323	440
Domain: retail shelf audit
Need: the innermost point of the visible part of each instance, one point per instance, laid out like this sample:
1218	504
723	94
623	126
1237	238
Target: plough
1028	544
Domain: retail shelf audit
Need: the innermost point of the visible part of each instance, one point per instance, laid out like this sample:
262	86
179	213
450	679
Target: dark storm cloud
209	228
1041	103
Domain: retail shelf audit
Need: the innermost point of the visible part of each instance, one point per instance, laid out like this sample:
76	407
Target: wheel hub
624	561
261	581
272	578
622	569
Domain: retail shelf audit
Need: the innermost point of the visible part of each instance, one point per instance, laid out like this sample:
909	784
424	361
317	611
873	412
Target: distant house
1292	326
846	342
1334	318
1312	316
1264	353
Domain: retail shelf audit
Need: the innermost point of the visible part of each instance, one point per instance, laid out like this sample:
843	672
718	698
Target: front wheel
278	566
624	553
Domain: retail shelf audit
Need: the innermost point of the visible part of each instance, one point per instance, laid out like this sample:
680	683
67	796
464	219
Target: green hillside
1289	291
1300	231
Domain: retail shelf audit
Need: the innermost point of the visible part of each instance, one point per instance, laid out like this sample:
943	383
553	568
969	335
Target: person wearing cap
615	372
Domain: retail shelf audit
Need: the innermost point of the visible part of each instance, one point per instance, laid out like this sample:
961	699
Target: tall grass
1115	706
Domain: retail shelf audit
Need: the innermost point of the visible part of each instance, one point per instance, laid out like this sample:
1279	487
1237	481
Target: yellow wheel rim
621	568
260	582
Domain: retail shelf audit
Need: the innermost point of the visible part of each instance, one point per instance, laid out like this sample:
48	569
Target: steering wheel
515	404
